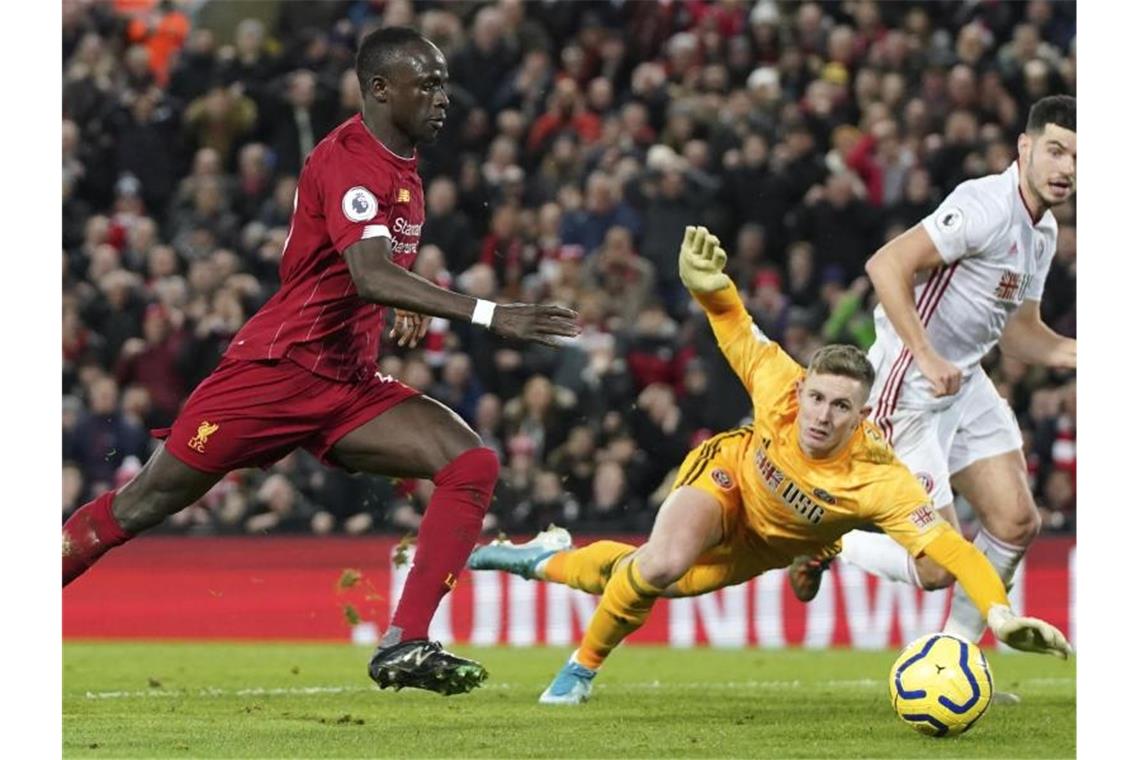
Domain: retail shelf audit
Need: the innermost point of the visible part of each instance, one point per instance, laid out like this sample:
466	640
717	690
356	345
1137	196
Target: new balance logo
416	656
403	195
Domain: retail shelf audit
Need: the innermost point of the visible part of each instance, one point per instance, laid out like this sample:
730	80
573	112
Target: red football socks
450	527
89	534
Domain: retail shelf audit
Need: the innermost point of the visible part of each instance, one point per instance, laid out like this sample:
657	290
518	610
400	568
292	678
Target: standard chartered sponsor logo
411	233
403	227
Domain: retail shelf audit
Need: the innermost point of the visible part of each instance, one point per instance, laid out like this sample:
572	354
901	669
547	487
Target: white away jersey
995	258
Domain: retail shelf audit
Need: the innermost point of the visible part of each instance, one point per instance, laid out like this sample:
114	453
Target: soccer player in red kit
302	372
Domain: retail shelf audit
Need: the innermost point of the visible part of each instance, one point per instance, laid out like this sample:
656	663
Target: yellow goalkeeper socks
625	605
586	569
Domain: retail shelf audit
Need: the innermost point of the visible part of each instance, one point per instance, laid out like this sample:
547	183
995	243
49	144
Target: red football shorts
253	413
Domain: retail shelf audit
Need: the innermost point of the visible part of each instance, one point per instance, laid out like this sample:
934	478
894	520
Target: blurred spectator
483	62
565	111
748	255
842	228
248	62
916	201
628	280
277	210
505	250
254	180
803	280
458	387
153	361
756	194
660	429
146	130
604	208
219	118
279	506
549	503
446	226
104	437
488	422
196	66
653	351
574	462
209	212
116	312
668	209
593	371
612	505
300	117
767	304
538	417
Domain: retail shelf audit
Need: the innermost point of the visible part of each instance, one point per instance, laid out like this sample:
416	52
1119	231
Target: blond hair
843	360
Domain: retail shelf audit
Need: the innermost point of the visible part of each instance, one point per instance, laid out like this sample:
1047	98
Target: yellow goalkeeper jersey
800	505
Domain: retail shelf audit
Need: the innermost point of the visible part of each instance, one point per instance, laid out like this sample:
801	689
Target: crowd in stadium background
581	138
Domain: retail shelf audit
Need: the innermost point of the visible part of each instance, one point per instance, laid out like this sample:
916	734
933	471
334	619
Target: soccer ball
940	685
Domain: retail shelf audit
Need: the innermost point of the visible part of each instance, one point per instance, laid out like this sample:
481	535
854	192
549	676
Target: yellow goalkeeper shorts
741	555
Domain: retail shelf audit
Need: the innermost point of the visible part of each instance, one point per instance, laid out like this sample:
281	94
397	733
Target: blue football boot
520	559
570	687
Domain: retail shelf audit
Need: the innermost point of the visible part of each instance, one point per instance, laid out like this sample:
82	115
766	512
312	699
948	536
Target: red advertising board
297	588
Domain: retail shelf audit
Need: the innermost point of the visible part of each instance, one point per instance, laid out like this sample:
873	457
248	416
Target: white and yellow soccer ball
941	685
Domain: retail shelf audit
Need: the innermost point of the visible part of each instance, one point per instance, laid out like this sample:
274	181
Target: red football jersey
351	187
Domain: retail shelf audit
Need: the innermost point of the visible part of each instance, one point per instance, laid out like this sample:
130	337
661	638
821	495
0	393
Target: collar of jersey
389	151
1016	171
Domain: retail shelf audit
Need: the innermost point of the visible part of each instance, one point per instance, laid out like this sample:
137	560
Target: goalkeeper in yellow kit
807	470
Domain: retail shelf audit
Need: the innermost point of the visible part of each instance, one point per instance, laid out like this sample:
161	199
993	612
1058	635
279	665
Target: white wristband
484	310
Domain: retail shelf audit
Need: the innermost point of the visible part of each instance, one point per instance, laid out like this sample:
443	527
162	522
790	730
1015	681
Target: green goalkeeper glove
1026	633
702	262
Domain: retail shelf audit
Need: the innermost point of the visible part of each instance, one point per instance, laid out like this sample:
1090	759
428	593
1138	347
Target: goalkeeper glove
1026	633
702	262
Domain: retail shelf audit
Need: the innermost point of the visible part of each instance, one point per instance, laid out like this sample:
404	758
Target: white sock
965	621
880	555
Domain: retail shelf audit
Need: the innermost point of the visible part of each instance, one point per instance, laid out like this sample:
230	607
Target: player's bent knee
660	569
478	467
456	444
1019	529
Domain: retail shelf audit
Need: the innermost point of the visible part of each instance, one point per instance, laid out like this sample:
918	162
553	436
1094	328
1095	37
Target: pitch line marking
300	691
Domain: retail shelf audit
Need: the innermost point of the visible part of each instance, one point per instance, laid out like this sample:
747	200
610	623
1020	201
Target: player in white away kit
968	276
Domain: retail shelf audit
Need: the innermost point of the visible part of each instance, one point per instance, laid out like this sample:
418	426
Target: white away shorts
936	444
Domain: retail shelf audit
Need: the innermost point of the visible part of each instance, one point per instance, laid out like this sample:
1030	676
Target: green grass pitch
314	700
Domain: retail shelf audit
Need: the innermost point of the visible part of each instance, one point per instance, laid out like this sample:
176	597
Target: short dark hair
843	360
1054	109
379	50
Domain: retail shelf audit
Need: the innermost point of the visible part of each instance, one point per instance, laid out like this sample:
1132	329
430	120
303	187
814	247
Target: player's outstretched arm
892	271
1029	339
380	280
701	266
985	589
